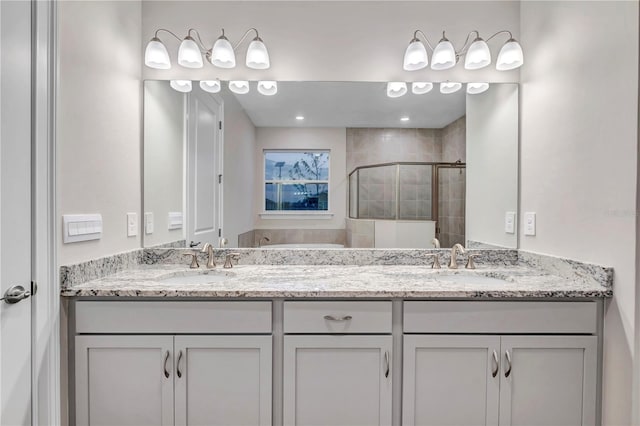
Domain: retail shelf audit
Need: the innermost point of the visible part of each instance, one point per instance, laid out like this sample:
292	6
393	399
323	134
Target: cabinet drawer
173	317
337	317
500	317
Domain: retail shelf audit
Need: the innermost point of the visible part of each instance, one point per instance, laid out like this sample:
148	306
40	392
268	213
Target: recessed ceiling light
404	118
299	117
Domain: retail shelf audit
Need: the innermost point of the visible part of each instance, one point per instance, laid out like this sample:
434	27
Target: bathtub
315	245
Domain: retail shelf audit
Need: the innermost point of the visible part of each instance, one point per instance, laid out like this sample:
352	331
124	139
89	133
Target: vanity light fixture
420	88
211	86
476	54
448	87
241	87
268	88
477	88
183	86
192	50
395	89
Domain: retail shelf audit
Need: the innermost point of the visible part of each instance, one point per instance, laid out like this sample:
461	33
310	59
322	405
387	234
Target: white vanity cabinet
488	377
339	371
223	377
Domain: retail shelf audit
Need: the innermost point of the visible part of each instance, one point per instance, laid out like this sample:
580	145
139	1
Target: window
296	180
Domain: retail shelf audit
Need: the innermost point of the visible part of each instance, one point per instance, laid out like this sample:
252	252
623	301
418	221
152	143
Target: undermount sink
196	277
472	279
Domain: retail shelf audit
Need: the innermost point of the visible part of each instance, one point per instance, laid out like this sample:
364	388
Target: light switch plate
132	224
529	223
81	227
510	222
148	223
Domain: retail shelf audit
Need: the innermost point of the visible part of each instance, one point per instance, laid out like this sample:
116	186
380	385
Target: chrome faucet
211	261
436	243
453	264
263	239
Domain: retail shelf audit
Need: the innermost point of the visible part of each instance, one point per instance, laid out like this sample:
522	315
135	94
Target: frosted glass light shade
222	54
444	56
189	55
449	87
415	57
257	55
267	88
420	88
183	86
156	55
211	86
478	55
240	87
510	56
477	88
395	89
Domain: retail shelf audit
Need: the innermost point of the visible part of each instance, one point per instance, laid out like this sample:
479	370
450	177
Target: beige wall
333	139
579	147
332	40
99	121
492	169
240	171
163	160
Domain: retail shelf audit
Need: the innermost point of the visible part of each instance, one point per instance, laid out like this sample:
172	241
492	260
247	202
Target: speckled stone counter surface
301	273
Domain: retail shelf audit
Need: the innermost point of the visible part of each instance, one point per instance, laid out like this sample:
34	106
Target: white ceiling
350	104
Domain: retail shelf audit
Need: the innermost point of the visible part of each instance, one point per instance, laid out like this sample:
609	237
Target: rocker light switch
510	222
81	227
529	223
132	224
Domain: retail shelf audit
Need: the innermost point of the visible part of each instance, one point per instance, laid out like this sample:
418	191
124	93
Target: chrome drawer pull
496	365
332	318
166	358
386	360
507	372
178	372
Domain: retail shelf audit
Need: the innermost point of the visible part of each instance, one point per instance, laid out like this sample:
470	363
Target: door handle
14	294
496	365
386	361
178	371
334	318
507	372
164	367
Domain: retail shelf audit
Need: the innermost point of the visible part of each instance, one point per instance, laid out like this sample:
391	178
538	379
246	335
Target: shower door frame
435	198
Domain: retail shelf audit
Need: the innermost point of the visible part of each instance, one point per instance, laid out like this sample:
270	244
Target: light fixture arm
501	32
166	31
243	38
466	45
426	40
202	47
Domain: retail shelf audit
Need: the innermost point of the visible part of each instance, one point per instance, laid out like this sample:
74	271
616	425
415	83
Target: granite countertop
341	281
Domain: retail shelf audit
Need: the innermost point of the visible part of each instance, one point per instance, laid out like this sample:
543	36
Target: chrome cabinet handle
178	372
496	364
386	361
332	318
14	294
507	372
166	358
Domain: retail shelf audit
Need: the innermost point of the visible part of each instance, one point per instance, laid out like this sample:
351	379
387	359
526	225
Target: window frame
266	181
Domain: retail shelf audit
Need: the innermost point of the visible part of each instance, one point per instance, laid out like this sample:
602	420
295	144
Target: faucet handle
194	260
205	248
229	258
436	260
470	263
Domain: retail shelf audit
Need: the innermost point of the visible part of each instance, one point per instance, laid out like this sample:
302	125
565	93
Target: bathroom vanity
380	339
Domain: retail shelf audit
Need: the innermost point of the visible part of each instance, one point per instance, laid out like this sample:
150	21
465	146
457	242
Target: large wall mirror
329	164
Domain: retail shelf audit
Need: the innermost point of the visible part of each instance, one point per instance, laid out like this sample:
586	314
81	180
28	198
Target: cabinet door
223	380
548	380
337	380
450	380
124	380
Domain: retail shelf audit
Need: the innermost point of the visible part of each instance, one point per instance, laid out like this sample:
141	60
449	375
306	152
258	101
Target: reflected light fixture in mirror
183	86
267	88
477	54
477	88
240	87
395	89
211	86
448	87
421	87
156	55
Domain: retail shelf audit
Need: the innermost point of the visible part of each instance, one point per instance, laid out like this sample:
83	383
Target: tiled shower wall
377	186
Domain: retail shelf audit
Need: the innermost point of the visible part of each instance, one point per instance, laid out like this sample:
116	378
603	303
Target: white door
450	380
15	210
337	380
548	380
124	380
223	380
204	164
